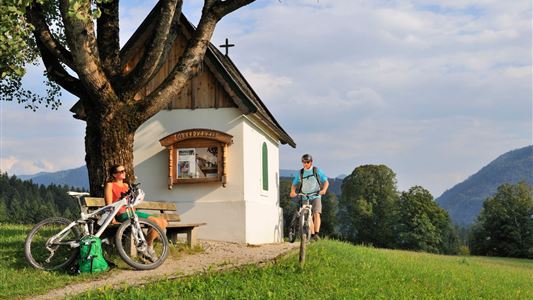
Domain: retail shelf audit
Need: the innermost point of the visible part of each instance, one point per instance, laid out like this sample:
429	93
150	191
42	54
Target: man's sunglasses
307	161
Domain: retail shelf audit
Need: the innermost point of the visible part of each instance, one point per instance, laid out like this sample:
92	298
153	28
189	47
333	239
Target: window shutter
265	167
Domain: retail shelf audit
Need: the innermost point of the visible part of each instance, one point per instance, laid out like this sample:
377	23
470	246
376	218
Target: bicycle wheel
293	228
134	252
303	236
44	254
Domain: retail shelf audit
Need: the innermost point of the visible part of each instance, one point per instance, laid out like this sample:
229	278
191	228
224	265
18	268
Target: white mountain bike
301	224
54	242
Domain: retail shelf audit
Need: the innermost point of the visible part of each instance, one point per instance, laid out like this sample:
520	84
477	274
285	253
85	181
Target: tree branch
42	33
58	74
108	40
164	33
79	30
222	8
186	67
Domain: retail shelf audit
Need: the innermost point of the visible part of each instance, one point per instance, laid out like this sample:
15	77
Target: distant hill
464	201
73	177
79	178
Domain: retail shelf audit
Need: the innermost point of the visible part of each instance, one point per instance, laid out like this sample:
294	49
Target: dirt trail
217	255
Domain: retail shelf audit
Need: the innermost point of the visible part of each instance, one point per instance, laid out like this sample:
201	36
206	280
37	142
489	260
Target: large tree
78	42
422	224
505	225
367	206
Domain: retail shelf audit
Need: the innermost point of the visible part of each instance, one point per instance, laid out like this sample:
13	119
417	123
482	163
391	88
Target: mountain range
465	200
77	177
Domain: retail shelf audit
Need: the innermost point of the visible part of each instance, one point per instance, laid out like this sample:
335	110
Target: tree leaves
505	224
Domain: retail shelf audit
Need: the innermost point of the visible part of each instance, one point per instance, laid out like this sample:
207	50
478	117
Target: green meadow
337	270
334	270
17	278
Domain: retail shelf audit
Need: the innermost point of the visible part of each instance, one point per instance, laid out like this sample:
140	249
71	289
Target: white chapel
214	150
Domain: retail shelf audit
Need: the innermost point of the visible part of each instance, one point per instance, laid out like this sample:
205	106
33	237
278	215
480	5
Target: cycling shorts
123	217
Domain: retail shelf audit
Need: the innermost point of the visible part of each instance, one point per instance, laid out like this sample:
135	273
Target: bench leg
172	236
191	238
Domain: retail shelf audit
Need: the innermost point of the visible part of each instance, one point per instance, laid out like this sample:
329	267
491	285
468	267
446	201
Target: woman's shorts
123	217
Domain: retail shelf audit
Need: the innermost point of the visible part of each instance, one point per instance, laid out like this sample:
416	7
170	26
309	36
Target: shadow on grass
14	231
12	255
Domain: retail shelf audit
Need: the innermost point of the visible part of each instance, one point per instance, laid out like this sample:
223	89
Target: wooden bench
166	210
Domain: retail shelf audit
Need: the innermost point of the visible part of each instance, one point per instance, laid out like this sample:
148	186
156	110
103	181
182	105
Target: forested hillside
28	203
464	201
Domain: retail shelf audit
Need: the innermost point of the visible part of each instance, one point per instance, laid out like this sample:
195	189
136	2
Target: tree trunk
107	144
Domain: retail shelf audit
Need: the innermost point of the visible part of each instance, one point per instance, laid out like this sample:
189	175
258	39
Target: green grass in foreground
19	279
337	270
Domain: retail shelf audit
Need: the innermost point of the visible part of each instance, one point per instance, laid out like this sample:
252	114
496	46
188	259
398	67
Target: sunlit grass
18	278
337	270
334	270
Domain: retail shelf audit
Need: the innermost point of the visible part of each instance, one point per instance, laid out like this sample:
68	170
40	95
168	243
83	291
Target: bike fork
138	235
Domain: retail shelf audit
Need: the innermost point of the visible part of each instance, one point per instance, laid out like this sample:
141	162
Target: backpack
91	255
315	173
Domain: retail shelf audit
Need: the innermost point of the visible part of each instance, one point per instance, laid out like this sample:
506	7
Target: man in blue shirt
311	180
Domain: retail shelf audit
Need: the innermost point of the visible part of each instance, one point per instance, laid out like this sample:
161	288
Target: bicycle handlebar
308	194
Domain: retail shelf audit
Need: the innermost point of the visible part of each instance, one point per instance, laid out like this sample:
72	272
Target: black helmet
307	157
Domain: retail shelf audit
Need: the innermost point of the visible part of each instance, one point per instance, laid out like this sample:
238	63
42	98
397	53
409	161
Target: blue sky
433	89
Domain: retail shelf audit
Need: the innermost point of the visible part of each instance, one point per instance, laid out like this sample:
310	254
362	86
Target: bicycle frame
306	208
114	207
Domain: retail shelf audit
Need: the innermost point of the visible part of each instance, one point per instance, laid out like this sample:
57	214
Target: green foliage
329	222
17	50
24	202
286	203
367	206
505	224
465	200
423	225
16	46
336	270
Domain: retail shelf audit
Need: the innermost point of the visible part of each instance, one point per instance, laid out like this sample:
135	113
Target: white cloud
265	84
434	89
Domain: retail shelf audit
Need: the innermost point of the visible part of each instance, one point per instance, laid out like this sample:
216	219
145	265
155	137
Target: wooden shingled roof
224	70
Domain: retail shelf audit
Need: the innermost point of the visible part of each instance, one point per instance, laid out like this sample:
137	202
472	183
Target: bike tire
137	262
48	228
293	229
303	238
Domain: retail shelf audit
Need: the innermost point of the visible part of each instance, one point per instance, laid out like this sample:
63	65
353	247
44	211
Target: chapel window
196	156
265	166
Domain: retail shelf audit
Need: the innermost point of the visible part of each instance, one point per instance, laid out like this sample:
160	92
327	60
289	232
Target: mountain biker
311	180
112	193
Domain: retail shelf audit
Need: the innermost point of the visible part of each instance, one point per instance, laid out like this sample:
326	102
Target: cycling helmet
307	157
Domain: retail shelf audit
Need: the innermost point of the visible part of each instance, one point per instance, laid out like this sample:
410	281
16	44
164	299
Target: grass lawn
19	279
337	270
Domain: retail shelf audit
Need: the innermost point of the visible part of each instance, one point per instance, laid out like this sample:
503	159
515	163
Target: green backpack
91	255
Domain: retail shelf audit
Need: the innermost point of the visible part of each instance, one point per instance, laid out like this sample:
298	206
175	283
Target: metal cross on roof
227	45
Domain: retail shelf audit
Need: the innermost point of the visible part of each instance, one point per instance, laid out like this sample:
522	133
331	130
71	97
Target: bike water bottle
102	218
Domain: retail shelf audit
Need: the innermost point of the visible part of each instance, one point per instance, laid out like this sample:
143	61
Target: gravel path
216	255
